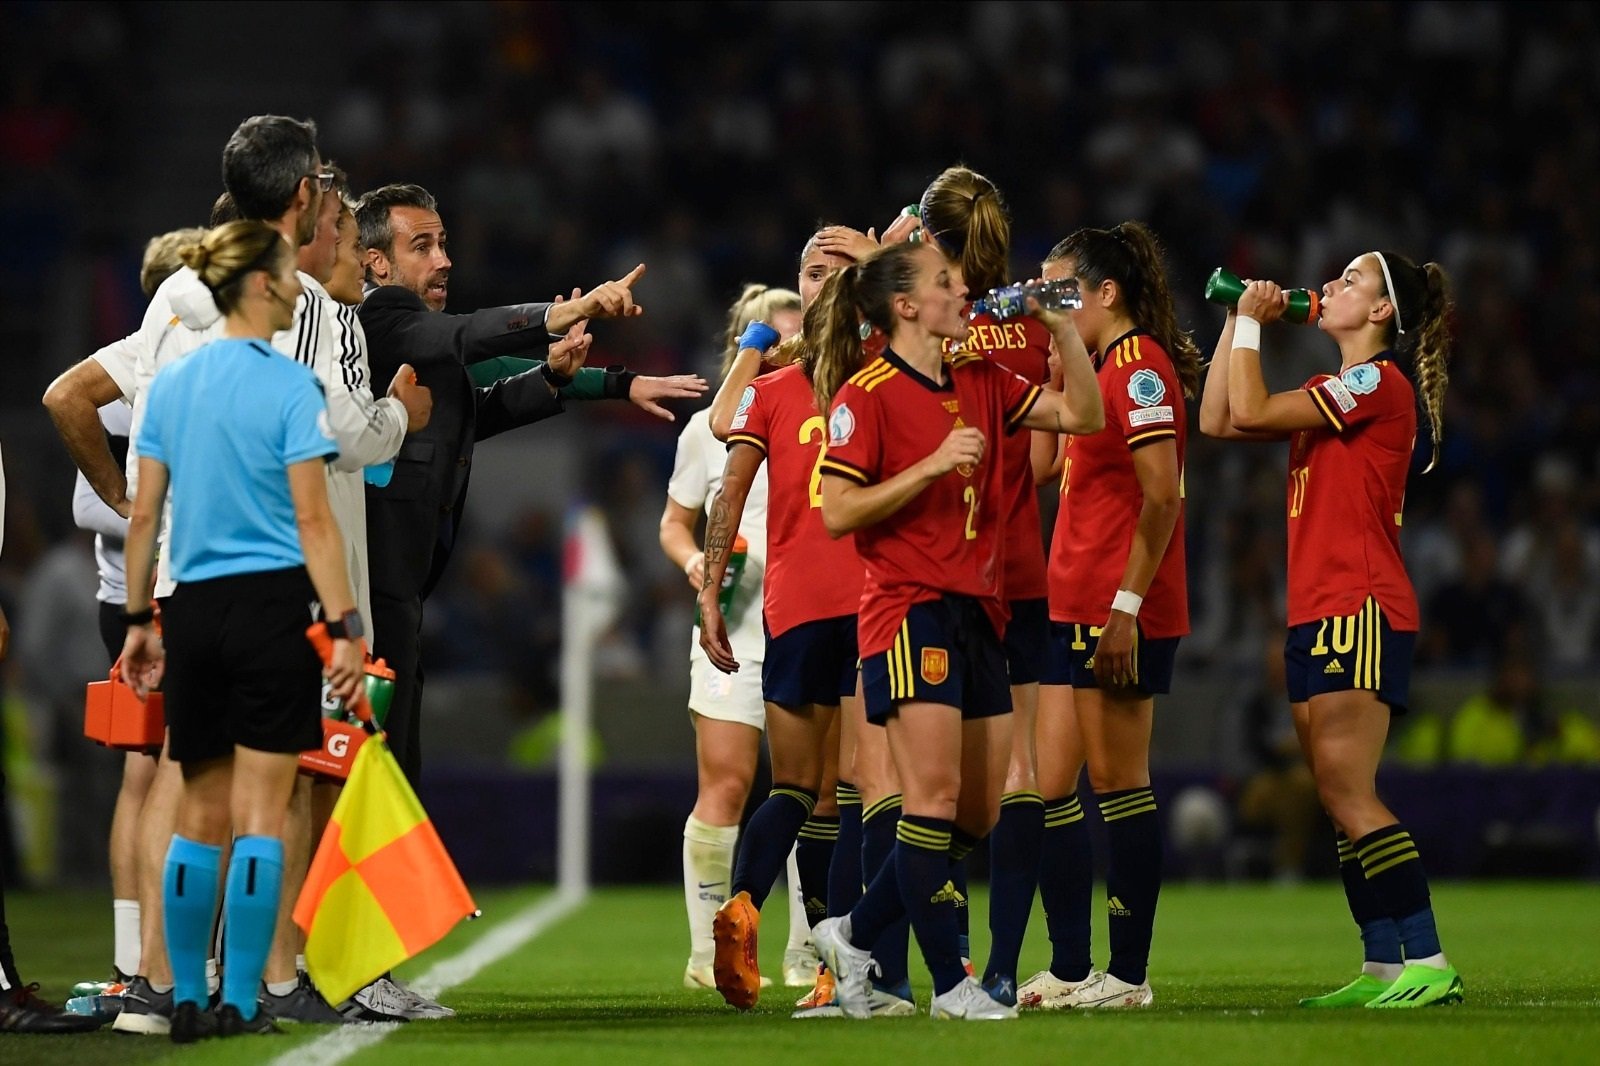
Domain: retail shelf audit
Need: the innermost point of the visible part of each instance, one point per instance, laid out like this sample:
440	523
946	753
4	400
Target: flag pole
583	613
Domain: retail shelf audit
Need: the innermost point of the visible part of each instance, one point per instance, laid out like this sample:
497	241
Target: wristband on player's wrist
347	626
1127	602
137	618
1247	333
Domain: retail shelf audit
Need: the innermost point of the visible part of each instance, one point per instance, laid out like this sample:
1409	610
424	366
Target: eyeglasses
323	178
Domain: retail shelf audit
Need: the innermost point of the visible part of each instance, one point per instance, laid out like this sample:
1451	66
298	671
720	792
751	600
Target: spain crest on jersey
935	665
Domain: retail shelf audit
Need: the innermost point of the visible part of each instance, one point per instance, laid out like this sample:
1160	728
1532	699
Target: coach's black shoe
303	1004
231	1023
22	1011
191	1022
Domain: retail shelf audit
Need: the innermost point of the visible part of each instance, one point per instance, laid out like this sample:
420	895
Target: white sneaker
852	966
392	1000
800	966
1045	991
883	1005
1101	991
968	1002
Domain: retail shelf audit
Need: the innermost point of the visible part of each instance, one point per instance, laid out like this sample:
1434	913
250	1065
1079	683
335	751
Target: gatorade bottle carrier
117	718
346	727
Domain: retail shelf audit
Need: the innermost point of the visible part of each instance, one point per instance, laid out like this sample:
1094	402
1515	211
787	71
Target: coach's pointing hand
611	299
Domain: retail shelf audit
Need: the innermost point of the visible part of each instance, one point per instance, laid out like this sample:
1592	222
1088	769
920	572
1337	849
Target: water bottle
1009	301
730	577
1225	287
379	686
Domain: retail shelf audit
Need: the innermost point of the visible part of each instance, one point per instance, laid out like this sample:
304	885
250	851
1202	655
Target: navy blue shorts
946	652
815	662
1360	651
1027	640
1071	659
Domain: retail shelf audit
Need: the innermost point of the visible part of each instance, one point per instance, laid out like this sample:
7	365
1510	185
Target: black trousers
397	627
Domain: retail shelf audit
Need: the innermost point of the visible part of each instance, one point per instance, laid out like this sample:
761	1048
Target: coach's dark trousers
397	627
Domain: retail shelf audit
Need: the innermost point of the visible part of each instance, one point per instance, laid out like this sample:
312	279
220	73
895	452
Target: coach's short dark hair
372	213
263	162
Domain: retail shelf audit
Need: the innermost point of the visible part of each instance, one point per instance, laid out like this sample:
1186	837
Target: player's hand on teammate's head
847	242
1264	301
646	392
902	228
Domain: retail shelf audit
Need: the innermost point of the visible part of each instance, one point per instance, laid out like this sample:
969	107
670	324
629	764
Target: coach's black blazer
412	522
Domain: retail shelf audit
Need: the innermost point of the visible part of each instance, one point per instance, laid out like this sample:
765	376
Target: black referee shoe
231	1023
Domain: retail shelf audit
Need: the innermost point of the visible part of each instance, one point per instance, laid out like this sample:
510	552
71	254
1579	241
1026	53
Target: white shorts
726	697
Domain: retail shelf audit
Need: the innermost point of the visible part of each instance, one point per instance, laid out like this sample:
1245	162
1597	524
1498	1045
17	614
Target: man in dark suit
412	521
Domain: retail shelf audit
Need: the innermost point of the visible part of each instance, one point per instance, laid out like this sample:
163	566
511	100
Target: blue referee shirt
227	422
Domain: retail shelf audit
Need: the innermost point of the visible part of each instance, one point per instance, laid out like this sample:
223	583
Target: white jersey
696	477
110	529
325	336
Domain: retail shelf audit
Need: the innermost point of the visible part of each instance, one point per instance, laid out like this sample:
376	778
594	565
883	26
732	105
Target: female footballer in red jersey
962	212
811	592
907	470
1352	613
1118	606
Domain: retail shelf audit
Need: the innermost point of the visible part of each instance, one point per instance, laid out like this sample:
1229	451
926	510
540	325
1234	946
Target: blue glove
378	474
758	335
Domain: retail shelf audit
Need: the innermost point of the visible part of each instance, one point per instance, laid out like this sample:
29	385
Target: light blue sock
255	881
189	897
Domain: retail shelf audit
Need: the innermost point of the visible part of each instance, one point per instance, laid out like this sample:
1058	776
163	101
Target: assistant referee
241	434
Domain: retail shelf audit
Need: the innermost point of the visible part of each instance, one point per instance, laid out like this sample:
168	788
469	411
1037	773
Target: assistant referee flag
381	887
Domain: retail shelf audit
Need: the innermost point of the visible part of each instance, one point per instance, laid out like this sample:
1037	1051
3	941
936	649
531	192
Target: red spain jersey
1022	346
810	576
1347	488
1101	498
888	418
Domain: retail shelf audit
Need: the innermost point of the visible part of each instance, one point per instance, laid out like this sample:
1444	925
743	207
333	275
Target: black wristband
556	379
137	618
619	379
347	626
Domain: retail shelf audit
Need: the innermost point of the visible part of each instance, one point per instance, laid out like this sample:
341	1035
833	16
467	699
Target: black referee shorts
239	668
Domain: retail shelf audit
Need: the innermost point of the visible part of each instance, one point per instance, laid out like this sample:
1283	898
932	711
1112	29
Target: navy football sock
813	854
1393	868
1380	937
844	873
1066	887
1013	876
1133	878
764	847
892	945
922	858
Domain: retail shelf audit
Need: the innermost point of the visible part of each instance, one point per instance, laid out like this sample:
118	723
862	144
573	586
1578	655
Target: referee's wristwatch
347	626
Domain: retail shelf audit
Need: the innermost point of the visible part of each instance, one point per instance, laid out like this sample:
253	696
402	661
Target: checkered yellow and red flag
381	887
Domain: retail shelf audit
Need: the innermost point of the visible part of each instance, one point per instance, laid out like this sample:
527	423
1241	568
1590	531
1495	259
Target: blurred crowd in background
567	142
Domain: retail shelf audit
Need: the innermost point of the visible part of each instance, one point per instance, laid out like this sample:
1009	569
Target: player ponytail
1423	308
229	253
964	214
758	303
1130	255
162	256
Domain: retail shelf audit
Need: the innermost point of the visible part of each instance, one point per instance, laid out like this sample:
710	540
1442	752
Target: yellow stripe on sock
1011	798
1383	853
887	803
808	802
1121	802
1367	849
1396	861
1150	807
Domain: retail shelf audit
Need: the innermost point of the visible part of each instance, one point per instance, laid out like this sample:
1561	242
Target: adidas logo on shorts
1334	667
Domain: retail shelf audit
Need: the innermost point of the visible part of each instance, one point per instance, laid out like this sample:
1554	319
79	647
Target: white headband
1388	283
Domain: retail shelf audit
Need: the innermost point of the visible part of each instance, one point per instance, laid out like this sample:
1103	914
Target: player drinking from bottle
1352	612
909	469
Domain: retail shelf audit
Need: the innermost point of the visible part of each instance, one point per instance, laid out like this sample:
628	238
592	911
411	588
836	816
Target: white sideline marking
345	1040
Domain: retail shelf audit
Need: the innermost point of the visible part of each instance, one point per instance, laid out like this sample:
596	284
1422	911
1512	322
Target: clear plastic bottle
1225	287
1010	301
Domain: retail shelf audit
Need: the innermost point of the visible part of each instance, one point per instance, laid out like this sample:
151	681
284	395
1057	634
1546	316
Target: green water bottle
1225	287
730	577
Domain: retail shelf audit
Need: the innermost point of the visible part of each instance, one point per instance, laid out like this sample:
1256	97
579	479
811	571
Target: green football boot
1358	993
1421	986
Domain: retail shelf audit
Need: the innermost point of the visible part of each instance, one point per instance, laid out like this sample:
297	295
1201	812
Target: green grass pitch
603	986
